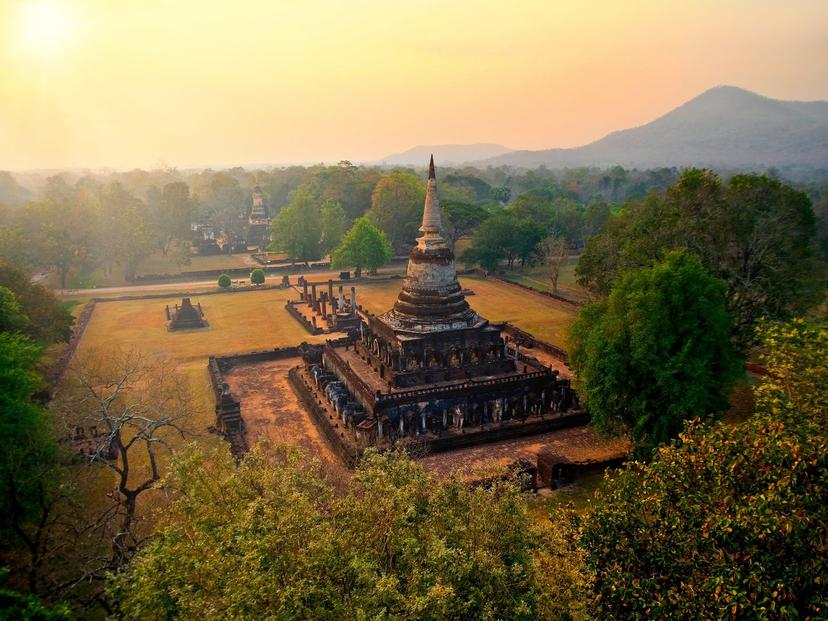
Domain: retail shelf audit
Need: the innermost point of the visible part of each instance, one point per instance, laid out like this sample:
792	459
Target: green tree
460	219
224	281
257	276
364	246
29	470
397	207
12	318
501	193
656	352
334	225
297	228
756	233
399	544
48	321
729	522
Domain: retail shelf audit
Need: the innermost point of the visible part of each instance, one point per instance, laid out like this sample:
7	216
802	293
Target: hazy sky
127	83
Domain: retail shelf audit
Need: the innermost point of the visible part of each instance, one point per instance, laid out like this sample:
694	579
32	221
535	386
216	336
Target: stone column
353	298
324	310
305	290
341	300
330	289
313	296
517	351
505	346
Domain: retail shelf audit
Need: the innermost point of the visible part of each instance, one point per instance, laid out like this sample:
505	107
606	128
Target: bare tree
556	252
140	403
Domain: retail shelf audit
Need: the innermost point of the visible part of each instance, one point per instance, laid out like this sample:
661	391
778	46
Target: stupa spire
432	225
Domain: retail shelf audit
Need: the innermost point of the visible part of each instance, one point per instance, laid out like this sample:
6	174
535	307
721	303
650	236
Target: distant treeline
73	222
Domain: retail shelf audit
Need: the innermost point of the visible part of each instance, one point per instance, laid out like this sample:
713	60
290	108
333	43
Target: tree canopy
755	233
48	321
397	207
399	544
364	246
656	352
730	521
297	228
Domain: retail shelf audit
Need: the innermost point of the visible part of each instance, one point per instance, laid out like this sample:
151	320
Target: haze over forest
415	310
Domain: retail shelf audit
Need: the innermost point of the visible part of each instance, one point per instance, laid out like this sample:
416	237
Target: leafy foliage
656	352
334	225
756	233
48	320
364	246
397	207
297	228
729	521
257	276
224	281
269	539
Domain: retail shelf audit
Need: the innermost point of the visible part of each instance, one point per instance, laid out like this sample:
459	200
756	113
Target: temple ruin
431	368
186	316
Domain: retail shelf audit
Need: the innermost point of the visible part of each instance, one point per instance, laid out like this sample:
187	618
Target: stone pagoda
258	224
186	316
431	367
432	334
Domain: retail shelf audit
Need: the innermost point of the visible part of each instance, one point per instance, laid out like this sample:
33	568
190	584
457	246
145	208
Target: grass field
157	263
241	322
247	321
538	278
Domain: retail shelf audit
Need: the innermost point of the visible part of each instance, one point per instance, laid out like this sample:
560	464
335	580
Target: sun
45	27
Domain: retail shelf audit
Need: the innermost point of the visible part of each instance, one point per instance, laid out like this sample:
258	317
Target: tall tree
334	224
397	207
656	352
47	320
756	234
29	470
297	228
460	219
400	544
364	246
731	520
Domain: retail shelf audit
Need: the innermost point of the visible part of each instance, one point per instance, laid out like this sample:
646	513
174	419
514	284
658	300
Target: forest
700	335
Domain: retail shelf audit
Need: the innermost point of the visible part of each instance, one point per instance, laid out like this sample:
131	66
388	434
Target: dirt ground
581	440
272	412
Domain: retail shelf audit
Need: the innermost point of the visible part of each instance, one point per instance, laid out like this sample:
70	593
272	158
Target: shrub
257	276
224	281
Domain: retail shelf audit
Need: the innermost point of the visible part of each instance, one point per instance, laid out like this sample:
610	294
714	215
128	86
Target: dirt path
184	286
272	412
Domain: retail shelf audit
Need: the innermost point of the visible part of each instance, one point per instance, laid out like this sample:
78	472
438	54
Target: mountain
724	127
446	154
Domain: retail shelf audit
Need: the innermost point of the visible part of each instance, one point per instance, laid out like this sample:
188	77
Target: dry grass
538	278
242	322
157	263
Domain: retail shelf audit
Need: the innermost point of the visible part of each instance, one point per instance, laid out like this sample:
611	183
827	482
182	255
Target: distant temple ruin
431	367
186	316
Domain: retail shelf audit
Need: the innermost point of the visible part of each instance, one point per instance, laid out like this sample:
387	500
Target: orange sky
126	83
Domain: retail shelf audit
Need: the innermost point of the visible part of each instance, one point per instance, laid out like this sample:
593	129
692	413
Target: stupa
186	316
431	366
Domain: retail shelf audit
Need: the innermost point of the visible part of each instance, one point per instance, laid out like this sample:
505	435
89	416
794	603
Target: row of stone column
325	301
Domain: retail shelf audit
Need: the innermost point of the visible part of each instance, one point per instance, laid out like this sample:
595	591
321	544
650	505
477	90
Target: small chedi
431	367
186	316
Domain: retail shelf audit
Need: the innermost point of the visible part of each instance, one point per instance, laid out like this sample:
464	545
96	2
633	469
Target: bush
257	276
224	281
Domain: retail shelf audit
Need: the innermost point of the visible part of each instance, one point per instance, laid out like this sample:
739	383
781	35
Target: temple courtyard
242	322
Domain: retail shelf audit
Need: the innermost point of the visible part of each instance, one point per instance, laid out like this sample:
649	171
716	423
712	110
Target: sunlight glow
45	27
